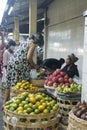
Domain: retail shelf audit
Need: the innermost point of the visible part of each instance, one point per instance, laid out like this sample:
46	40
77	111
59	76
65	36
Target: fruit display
58	77
80	110
30	103
69	89
24	85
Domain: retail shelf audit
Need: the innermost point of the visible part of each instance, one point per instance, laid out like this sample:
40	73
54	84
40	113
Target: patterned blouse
18	67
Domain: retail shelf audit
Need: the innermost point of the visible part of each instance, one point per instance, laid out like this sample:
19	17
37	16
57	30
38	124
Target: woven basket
65	105
37	82
31	122
14	92
76	123
62	127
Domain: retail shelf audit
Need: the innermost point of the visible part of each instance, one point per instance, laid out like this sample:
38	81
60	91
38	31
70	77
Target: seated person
53	64
70	67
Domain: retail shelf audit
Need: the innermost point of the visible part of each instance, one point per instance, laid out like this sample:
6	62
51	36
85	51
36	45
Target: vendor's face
68	61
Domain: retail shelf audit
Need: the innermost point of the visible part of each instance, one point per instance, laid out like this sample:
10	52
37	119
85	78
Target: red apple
66	80
58	71
50	77
61	80
58	76
46	81
62	73
55	85
66	76
55	73
54	79
50	83
70	80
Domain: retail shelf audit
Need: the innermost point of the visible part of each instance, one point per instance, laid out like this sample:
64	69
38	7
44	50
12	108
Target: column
16	30
33	21
45	34
84	76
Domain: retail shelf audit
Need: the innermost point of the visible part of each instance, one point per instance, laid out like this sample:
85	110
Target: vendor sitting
70	67
52	64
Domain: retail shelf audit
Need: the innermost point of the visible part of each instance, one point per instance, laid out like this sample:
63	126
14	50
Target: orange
20	109
25	94
38	103
45	111
30	104
17	101
44	104
41	107
39	97
32	100
20	112
32	95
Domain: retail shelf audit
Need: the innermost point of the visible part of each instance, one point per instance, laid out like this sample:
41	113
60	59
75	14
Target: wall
66	29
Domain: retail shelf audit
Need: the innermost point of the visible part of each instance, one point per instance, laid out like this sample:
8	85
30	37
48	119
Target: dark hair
38	39
11	43
62	61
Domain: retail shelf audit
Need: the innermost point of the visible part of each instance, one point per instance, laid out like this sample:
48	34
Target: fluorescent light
10	10
40	19
2	8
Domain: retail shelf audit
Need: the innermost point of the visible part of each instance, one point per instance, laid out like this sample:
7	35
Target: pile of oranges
24	85
30	103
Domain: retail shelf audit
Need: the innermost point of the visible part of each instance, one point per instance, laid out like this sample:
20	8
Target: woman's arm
30	55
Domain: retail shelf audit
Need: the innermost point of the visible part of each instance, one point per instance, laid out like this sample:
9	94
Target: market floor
1	113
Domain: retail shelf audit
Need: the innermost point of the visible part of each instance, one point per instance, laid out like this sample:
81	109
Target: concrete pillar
16	30
45	35
84	76
33	21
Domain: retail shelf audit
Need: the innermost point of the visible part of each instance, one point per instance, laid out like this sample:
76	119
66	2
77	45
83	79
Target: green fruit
7	106
29	110
34	107
26	106
24	102
32	113
12	109
36	111
14	105
55	108
8	103
21	98
21	105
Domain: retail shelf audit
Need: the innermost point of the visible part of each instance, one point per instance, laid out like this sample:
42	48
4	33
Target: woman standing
6	56
21	62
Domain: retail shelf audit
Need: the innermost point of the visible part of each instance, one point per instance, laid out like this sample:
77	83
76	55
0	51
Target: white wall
66	29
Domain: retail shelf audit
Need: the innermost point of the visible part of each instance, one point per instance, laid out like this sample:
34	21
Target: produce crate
15	121
37	82
14	92
76	123
65	105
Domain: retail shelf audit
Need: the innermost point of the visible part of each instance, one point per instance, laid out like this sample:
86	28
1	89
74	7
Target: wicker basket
76	123
14	92
31	122
37	82
65	105
62	127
